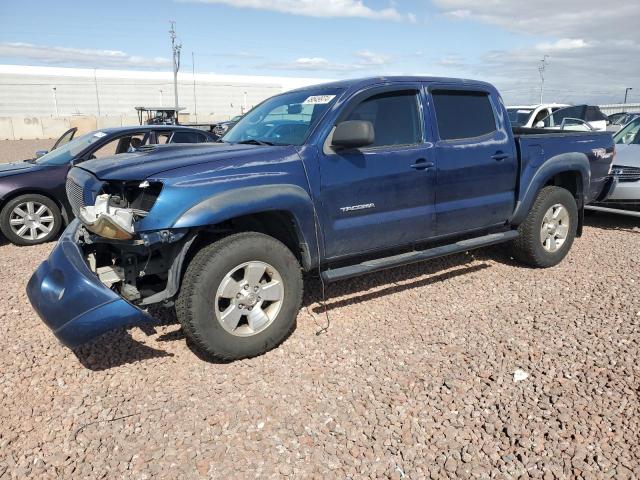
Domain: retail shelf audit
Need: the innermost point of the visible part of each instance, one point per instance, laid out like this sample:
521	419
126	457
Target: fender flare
239	202
563	163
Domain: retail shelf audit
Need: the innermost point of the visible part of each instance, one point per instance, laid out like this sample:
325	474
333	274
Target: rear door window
463	114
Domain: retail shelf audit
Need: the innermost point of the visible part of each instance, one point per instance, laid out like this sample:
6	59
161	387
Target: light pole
161	99
626	92
175	48
541	68
55	101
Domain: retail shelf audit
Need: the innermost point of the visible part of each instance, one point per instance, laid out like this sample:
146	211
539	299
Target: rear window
463	114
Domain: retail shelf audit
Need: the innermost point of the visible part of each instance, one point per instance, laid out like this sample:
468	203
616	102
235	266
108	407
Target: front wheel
240	296
546	235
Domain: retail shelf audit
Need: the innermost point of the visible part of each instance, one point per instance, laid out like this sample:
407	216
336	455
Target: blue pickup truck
338	180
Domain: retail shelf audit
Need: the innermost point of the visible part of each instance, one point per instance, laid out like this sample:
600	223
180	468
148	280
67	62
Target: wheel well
278	224
571	181
63	210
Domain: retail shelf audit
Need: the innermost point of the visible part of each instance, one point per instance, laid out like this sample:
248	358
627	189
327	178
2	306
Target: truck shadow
609	221
387	282
117	348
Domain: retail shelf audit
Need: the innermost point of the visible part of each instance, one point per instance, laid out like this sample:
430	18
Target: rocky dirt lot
466	367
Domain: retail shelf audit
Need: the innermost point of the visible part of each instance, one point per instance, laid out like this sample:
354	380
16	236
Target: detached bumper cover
71	300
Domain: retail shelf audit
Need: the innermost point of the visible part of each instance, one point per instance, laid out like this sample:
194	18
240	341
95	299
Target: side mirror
353	134
41	153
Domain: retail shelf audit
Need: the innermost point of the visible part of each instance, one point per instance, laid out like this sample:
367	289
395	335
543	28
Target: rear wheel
30	219
240	296
548	232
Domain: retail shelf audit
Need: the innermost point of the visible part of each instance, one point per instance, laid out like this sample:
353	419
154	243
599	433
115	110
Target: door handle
499	156
422	164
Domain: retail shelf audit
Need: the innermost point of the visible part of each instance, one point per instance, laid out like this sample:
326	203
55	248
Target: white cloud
366	60
79	56
591	47
562	44
369	58
566	18
319	8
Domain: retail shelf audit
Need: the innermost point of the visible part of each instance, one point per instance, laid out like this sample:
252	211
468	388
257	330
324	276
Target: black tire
528	247
196	302
6	217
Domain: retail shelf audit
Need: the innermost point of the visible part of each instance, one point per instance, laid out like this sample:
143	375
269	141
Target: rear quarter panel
539	151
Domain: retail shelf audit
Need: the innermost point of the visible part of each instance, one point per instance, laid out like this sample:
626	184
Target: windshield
284	119
70	150
518	116
629	134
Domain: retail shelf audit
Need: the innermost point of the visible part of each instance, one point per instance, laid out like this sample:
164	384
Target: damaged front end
144	270
105	270
142	266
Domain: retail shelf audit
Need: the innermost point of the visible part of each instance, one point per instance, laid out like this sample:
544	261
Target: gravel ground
16	150
420	375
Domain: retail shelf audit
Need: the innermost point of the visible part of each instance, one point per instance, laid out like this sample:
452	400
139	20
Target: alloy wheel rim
31	220
555	228
249	298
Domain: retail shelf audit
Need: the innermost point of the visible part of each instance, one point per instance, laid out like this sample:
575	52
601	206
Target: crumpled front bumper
71	300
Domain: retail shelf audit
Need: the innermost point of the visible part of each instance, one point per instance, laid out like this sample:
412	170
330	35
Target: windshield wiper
253	141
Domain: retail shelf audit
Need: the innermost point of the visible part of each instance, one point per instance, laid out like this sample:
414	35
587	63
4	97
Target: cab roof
357	83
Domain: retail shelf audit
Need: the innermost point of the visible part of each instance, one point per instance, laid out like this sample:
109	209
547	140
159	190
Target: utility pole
541	68
626	92
193	74
175	49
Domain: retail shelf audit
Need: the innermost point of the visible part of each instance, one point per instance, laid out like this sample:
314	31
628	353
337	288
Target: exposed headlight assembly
118	207
108	221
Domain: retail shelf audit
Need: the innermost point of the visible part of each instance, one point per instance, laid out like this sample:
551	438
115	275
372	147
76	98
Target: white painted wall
28	91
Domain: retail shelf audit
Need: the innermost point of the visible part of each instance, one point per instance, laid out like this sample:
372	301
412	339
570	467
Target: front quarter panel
207	194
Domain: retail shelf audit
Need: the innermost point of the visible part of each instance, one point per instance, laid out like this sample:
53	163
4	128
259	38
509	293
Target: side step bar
617	211
369	266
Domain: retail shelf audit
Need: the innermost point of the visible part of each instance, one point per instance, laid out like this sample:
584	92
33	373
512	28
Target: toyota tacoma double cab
339	180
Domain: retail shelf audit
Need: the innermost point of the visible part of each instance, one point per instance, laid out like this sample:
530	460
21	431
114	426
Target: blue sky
500	41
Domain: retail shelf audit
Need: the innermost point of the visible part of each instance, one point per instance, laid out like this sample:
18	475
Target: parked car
223	127
576	118
342	179
528	115
619	120
33	202
625	191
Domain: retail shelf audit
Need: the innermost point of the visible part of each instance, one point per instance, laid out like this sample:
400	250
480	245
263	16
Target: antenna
541	68
175	49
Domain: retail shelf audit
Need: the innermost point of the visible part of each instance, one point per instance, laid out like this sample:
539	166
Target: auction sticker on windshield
318	99
99	134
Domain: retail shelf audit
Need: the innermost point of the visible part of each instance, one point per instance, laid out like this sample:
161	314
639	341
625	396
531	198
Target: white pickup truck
528	115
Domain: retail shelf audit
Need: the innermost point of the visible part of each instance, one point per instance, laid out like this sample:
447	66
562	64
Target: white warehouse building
30	91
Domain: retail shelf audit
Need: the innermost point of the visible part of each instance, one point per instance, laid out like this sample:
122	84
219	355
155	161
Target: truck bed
528	132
